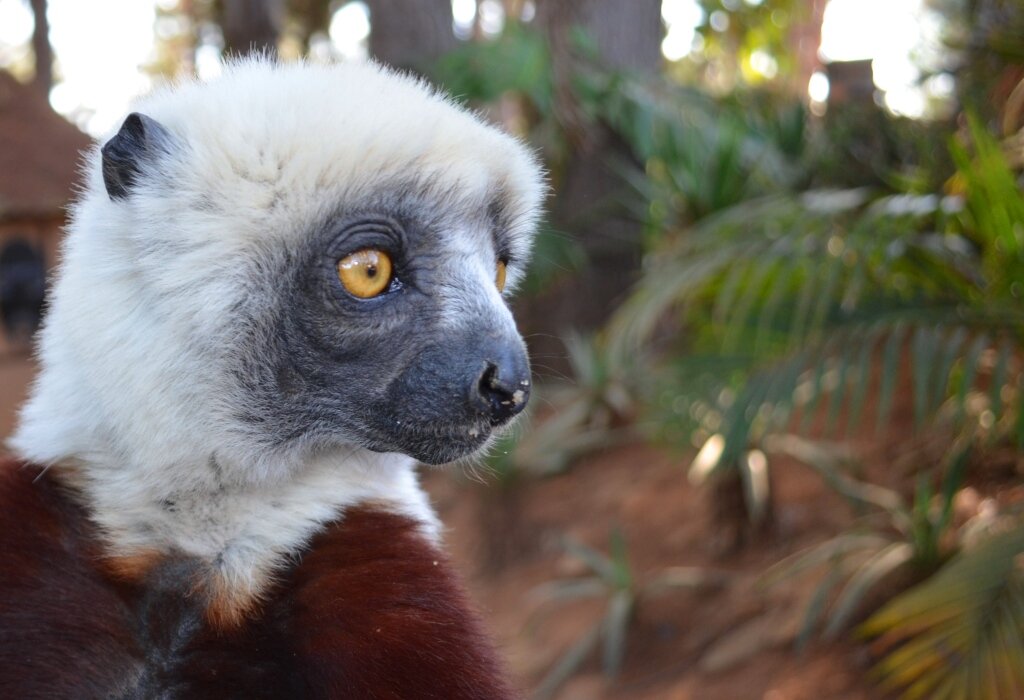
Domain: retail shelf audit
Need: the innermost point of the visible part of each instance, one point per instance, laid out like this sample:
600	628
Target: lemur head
289	260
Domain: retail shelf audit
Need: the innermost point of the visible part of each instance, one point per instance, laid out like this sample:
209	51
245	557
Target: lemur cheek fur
279	290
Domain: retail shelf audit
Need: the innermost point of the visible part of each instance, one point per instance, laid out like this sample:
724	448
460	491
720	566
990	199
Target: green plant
613	579
797	306
700	154
801	312
959	635
518	61
894	538
984	49
734	35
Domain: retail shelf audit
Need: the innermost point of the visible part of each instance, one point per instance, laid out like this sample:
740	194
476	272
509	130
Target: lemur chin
279	290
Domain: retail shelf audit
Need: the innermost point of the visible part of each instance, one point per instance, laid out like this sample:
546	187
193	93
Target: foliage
960	634
703	155
518	61
732	32
799	308
791	299
983	49
895	537
611	578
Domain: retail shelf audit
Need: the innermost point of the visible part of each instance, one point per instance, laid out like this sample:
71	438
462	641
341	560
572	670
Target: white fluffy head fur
137	395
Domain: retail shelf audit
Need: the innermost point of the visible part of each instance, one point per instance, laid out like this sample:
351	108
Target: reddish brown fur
64	630
131	568
371	611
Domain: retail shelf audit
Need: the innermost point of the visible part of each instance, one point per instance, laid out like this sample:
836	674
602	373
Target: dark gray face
429	368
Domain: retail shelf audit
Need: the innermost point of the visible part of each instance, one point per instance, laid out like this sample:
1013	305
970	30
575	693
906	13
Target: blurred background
775	317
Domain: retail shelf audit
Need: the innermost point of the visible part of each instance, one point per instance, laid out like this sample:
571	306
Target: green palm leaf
959	634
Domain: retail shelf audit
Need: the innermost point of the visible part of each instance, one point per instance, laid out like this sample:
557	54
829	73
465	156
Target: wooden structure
39	157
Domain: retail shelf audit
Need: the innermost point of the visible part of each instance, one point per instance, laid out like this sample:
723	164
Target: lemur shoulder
278	291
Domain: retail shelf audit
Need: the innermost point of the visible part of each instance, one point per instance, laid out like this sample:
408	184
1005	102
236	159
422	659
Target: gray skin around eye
392	373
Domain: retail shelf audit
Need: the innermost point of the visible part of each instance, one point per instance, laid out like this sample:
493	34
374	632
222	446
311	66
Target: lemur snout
504	387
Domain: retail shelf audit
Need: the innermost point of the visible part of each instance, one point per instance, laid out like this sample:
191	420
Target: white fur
132	399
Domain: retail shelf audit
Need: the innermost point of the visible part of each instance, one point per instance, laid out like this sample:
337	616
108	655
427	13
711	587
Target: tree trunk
628	34
410	34
628	38
252	26
805	38
41	47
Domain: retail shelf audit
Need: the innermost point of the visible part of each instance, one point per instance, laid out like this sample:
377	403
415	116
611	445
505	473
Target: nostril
503	398
488	379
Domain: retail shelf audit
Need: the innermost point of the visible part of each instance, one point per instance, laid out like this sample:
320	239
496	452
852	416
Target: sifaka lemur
279	290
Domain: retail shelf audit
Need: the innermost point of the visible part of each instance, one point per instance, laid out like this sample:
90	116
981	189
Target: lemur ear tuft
139	141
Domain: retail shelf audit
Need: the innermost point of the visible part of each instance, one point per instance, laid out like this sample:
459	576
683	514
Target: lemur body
278	291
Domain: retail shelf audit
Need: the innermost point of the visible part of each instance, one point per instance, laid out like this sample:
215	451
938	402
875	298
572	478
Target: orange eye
499	277
365	273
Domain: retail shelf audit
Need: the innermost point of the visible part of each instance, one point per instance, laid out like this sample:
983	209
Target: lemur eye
499	277
365	273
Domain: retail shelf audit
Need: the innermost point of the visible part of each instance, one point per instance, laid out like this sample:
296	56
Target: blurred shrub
517	61
787	300
894	545
788	313
611	578
959	635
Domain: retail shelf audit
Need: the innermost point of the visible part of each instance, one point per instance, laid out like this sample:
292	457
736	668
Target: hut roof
39	153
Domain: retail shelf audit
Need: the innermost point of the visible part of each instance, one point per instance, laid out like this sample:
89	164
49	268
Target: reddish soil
733	639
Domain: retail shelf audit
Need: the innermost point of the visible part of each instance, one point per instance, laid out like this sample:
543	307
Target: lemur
279	290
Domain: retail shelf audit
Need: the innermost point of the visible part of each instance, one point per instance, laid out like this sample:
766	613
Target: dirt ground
730	640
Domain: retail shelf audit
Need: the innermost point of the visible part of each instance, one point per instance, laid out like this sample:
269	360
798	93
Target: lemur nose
504	389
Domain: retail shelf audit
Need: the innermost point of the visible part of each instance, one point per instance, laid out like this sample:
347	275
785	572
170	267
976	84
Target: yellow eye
365	273
499	277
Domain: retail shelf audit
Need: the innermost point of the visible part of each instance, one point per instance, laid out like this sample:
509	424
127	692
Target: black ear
140	140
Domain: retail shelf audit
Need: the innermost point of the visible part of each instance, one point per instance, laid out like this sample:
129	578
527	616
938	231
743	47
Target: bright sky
102	45
887	31
852	31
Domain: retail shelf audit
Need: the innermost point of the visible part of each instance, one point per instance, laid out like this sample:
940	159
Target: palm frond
880	565
894	538
959	634
814	296
569	663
